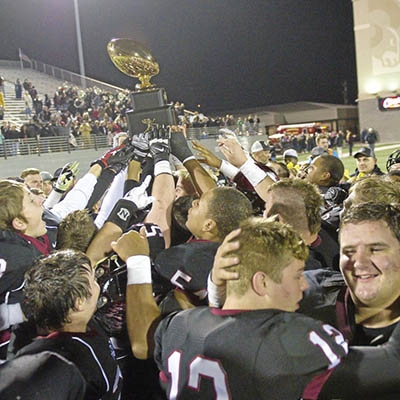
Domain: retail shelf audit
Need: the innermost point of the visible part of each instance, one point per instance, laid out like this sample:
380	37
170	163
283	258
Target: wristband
188	159
229	170
138	270
253	173
216	294
58	190
162	167
122	213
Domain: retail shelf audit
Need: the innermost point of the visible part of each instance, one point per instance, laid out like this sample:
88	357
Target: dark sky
222	54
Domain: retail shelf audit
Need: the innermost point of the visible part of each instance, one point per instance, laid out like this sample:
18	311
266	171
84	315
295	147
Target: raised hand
222	262
139	196
180	148
131	243
66	177
159	138
206	156
233	152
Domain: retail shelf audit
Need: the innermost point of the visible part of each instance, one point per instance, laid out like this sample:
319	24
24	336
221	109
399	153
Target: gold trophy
148	101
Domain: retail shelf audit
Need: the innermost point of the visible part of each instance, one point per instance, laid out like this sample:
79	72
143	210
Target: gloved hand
66	177
117	158
140	146
139	196
159	138
180	148
126	209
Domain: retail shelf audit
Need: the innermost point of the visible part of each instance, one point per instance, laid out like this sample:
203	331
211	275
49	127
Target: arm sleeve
115	192
77	198
52	200
369	372
10	314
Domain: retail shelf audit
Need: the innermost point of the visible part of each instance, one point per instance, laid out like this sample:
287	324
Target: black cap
317	151
364	151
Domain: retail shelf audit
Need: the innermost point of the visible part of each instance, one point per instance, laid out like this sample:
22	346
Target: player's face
198	213
324	143
262	156
370	263
34	181
365	164
180	190
90	304
314	171
32	212
47	187
288	293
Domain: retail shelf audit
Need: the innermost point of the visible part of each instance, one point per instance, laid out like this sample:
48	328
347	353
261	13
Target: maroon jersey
205	353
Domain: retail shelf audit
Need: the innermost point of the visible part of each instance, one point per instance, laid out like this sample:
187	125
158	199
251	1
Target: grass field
382	151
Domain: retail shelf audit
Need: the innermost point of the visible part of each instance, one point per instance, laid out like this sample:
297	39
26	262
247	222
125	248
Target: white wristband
229	170
252	172
139	270
162	167
216	294
188	159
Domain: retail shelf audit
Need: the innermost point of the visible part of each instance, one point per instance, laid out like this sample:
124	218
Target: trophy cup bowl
133	59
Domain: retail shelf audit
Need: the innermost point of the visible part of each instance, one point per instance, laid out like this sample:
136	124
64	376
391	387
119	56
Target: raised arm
142	312
200	177
258	178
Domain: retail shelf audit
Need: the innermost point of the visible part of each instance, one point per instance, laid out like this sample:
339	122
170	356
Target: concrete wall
377	38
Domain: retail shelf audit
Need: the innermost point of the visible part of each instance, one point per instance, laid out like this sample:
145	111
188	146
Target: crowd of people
93	111
168	272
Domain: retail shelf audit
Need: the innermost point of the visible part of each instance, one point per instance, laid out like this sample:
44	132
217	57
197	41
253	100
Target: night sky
221	54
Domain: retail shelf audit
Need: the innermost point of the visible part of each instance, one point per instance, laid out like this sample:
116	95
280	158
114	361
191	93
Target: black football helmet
393	158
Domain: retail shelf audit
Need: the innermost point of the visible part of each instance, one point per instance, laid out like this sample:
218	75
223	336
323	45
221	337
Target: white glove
139	196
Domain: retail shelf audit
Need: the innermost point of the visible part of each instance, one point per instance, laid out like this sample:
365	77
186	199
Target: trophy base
149	105
160	115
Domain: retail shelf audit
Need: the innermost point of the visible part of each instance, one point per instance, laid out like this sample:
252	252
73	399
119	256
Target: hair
52	286
280	168
388	213
180	209
334	166
266	246
76	231
393	175
11	202
376	189
321	136
29	171
228	207
294	196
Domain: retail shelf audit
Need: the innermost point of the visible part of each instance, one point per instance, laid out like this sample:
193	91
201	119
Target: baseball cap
259	145
317	151
46	176
364	151
290	153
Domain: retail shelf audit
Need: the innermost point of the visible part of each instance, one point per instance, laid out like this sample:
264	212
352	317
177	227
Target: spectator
18	89
339	143
366	164
350	139
371	139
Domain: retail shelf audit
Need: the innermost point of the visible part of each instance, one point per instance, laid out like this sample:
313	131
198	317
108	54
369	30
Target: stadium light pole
79	41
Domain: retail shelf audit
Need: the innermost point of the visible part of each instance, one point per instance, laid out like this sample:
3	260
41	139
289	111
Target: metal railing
76	79
45	145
